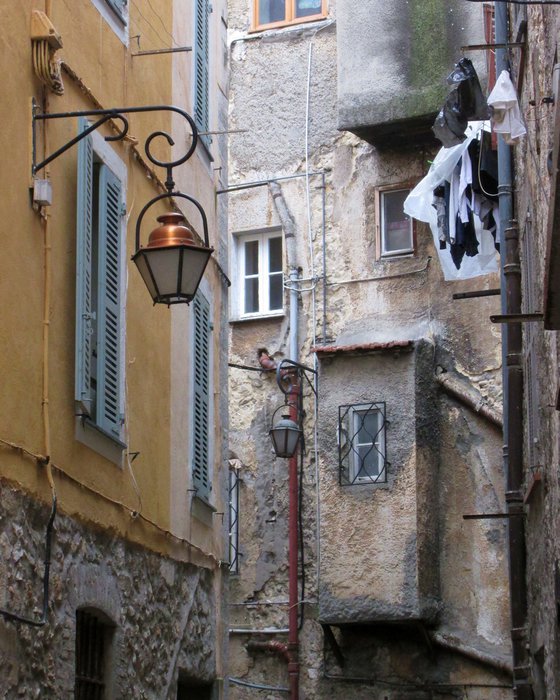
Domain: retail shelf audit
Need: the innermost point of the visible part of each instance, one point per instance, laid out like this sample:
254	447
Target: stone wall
163	610
533	210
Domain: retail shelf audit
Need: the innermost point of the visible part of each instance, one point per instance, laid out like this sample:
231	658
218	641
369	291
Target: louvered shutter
119	6
109	403
84	253
202	72
201	386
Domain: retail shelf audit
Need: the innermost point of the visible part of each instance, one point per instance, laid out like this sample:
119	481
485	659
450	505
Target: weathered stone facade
162	610
535	209
414	596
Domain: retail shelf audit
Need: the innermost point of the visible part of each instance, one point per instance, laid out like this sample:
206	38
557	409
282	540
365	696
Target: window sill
391	257
202	511
258	317
293	24
99	441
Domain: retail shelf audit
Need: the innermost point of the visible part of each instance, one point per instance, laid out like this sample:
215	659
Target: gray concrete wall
393	59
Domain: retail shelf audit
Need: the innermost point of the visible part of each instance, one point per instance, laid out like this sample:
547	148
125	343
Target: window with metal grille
361	443
233	521
93	643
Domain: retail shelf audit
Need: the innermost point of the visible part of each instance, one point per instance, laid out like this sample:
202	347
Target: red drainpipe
293	593
291	651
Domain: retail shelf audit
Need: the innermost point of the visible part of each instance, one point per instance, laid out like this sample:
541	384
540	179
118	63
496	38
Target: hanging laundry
463	219
465	102
506	115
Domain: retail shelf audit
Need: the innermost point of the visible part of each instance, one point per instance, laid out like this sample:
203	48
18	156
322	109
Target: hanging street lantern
172	264
285	437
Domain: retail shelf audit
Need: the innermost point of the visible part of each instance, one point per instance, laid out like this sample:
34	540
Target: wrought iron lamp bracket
116	114
287	370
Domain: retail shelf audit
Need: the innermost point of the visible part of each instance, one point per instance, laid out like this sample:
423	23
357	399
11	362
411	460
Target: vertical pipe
294	397
293	644
513	397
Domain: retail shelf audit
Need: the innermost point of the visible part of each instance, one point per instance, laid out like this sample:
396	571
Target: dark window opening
188	689
93	643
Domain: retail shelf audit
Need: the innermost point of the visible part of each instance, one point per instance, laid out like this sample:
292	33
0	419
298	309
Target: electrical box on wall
42	192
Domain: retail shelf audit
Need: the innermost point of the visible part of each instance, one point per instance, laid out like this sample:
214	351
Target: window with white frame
233	520
395	228
115	13
100	239
361	443
260	276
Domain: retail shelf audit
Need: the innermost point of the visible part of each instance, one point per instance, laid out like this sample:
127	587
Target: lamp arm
169	195
287	368
117	113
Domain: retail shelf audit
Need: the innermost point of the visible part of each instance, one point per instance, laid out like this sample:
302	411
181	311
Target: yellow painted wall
106	68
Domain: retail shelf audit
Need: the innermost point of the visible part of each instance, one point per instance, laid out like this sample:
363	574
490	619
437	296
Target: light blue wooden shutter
119	6
201	395
202	71
84	253
109	408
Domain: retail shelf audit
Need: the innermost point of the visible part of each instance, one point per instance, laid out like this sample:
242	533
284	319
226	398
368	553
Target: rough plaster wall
163	609
410	301
355	519
532	204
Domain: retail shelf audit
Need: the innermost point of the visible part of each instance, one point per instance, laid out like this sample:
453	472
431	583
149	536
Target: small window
361	444
395	228
233	521
270	13
94	637
119	7
260	283
115	13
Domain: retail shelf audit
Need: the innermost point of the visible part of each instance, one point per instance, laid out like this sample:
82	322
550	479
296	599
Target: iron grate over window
233	521
361	443
92	641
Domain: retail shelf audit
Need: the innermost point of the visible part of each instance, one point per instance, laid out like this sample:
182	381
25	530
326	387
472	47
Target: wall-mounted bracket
116	114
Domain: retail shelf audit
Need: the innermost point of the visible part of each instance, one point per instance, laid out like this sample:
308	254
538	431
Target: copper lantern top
172	231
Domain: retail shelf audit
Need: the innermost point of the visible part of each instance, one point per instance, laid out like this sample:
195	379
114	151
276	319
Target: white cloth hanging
506	115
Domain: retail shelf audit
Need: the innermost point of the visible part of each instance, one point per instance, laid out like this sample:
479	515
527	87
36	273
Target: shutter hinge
123	209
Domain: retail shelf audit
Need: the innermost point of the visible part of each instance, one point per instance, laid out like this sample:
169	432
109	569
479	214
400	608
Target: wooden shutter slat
201	395
84	253
109	336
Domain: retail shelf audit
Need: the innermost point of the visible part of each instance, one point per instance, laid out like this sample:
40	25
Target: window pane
252	258
251	295
275	254
396	225
367	426
369	461
304	8
275	291
272	11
